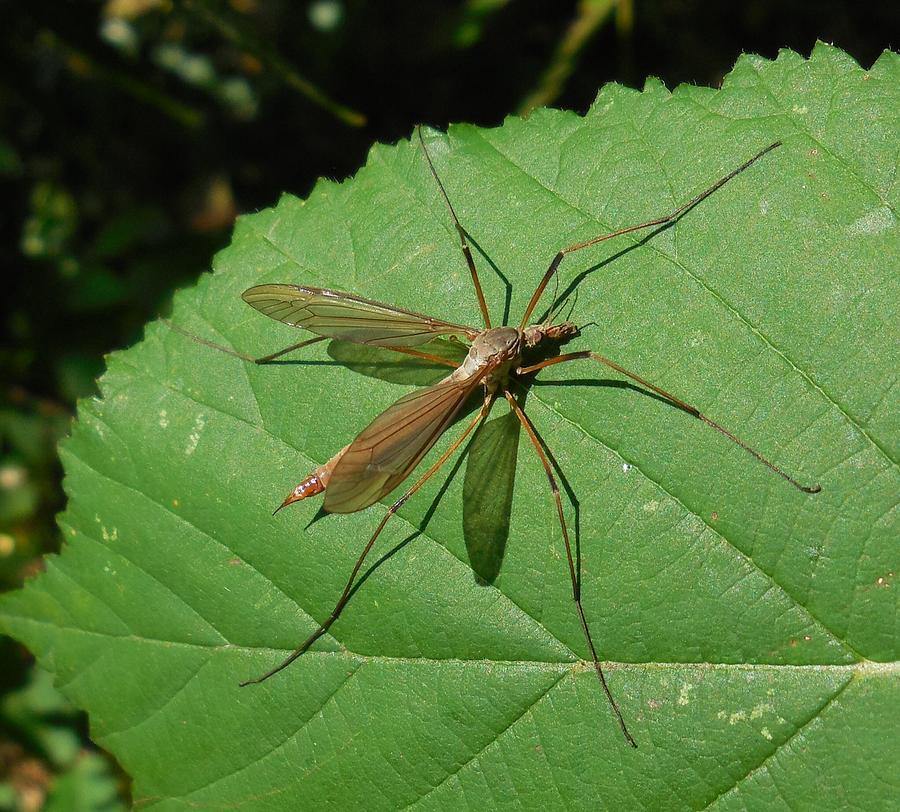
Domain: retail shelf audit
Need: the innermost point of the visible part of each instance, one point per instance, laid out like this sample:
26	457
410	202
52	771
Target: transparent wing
387	450
348	317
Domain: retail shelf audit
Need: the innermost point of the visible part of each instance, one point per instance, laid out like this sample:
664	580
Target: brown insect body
498	349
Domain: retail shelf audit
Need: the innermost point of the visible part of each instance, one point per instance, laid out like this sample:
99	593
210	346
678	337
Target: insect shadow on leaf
488	492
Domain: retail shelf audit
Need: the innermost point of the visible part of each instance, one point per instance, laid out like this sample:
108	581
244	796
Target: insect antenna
572	308
571	301
551	310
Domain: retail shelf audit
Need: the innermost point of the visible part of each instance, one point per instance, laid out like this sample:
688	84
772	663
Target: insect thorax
498	348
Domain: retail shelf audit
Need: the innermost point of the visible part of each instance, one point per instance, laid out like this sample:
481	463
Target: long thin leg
576	584
345	595
692	410
267	359
462	234
657	221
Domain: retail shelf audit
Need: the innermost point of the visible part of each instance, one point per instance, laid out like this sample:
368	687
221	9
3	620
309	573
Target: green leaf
750	629
88	786
38	727
42	719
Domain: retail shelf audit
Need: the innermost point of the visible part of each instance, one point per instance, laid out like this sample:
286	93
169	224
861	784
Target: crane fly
388	450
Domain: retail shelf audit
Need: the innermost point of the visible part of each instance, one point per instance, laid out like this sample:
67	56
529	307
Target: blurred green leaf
33	434
53	219
18	494
43	718
10	162
473	16
76	375
127	230
89	785
44	757
750	628
99	288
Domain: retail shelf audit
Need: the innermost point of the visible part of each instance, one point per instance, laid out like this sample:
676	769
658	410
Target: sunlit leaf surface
750	629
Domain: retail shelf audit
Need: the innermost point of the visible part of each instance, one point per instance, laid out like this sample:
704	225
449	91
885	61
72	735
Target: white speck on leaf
737	716
872	222
759	710
697	339
684	696
651	507
693	525
765	733
194	437
163	419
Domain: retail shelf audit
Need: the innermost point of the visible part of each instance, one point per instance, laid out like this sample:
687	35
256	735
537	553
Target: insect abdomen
315	483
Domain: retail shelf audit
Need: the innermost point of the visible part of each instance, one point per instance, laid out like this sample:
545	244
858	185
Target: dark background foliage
134	131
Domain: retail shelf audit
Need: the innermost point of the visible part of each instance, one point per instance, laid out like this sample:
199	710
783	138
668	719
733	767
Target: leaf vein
769	90
108	734
460	767
816	714
165	508
277	745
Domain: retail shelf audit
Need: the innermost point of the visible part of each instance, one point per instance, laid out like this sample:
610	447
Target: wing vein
389	448
347	317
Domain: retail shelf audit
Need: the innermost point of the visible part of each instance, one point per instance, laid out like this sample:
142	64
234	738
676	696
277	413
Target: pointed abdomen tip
310	486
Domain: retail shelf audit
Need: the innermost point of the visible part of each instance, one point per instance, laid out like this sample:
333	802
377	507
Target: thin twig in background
80	64
267	54
591	14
